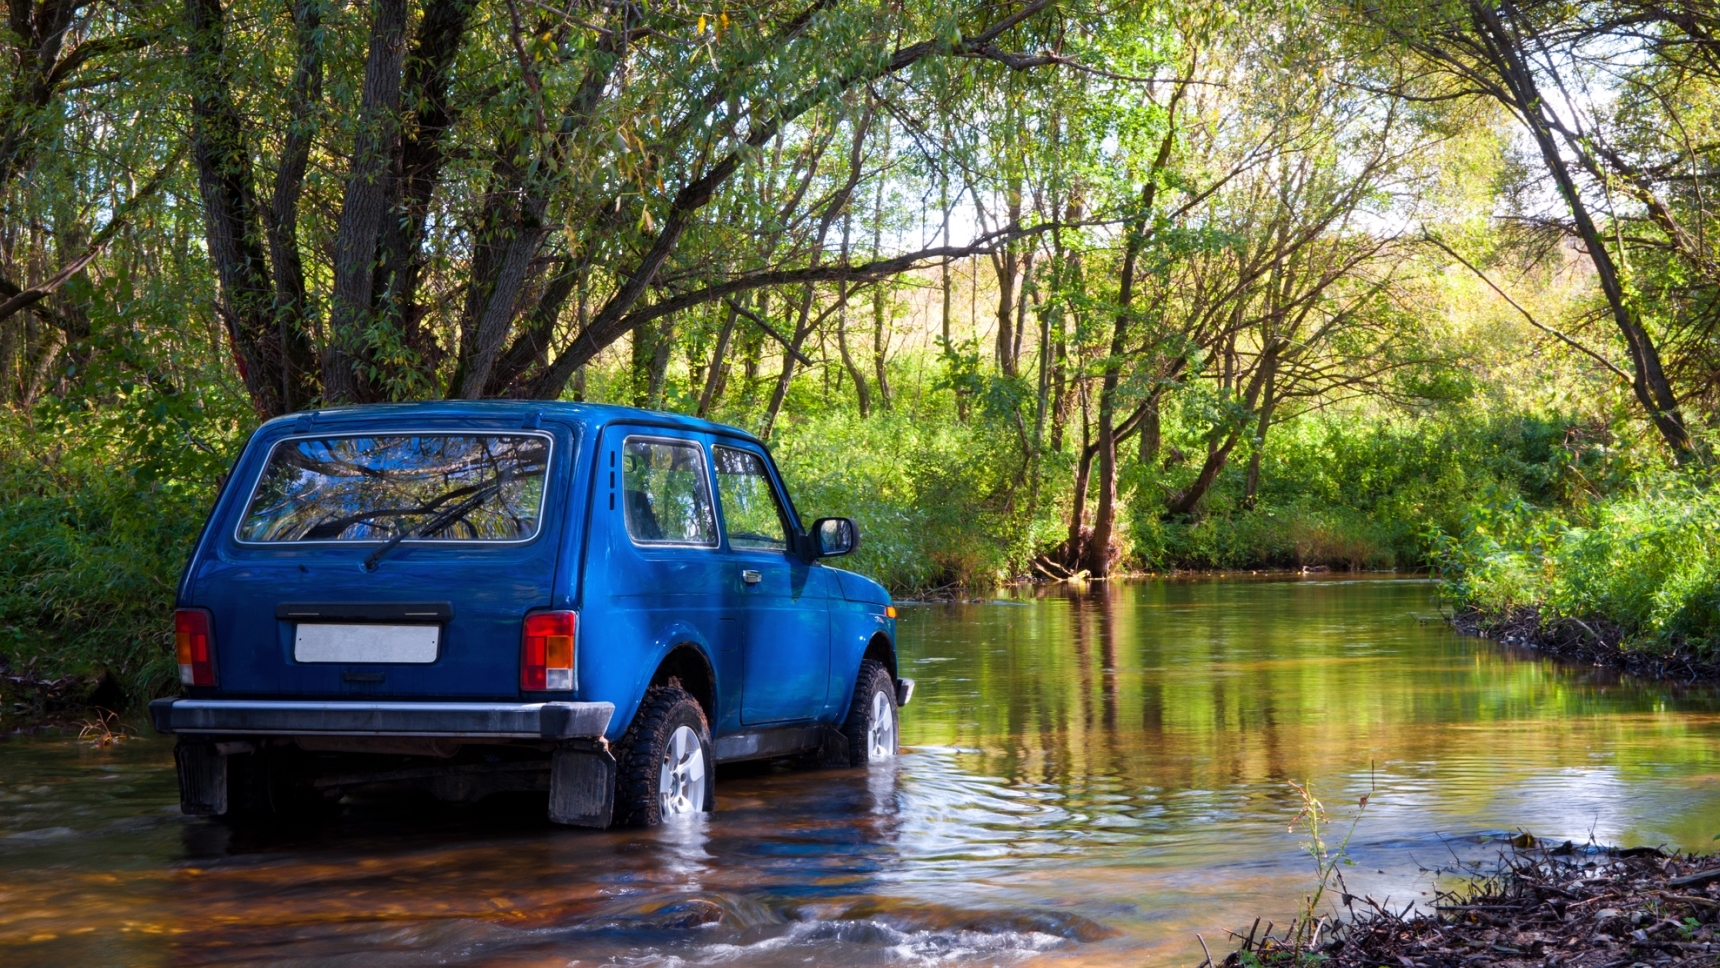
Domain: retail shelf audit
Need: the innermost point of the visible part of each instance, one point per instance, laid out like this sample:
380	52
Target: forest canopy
1030	288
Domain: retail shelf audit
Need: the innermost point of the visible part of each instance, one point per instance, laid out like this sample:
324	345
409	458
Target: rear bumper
498	720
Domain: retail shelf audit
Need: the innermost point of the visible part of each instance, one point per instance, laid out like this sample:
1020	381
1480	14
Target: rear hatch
385	555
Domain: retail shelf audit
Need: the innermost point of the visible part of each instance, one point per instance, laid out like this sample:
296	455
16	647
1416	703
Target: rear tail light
546	651
194	647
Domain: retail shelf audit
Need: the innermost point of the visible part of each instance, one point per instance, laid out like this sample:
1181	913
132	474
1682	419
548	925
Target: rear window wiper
440	521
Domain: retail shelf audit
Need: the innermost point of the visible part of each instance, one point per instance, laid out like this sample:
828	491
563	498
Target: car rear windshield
437	487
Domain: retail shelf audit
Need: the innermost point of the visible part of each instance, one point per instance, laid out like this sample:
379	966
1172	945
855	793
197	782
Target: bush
98	512
1351	491
1648	561
938	502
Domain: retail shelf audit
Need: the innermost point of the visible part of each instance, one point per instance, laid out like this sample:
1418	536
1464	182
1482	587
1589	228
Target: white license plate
366	643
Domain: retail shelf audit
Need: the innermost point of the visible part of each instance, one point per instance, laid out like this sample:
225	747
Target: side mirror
832	538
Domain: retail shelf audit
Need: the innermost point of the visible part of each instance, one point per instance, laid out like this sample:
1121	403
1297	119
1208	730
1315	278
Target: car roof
590	415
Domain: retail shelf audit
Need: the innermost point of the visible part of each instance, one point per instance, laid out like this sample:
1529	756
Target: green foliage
938	501
1354	491
1646	558
98	511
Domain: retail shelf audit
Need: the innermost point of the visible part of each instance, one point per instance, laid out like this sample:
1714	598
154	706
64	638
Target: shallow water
1092	779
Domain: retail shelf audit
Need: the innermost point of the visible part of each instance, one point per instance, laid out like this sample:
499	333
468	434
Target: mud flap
582	787
202	779
833	747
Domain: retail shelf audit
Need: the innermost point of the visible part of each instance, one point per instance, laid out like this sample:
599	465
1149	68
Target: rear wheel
872	721
664	764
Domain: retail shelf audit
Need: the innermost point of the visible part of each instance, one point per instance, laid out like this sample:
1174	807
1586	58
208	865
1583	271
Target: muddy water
1092	779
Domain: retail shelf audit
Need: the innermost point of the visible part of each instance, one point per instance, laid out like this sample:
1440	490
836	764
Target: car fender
668	639
853	628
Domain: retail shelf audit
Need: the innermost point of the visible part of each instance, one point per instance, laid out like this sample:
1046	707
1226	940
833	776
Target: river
1090	778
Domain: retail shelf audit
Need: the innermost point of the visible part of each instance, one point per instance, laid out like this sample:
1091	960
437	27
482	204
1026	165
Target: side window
752	518
667	499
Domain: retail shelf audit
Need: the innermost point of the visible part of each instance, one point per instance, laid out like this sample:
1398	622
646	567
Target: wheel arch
687	663
881	649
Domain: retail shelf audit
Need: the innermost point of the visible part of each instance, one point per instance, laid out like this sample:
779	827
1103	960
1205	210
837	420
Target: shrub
1648	561
98	512
939	502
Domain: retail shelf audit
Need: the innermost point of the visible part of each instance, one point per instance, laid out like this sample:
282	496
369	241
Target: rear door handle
750	576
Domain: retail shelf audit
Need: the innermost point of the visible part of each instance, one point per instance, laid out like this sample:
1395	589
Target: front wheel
871	728
664	766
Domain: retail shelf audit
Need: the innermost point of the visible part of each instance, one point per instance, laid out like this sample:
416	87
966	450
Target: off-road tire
639	755
873	678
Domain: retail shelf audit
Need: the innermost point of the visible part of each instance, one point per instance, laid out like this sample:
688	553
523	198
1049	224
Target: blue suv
469	598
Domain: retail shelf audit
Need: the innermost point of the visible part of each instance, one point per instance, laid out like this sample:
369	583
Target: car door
786	621
659	574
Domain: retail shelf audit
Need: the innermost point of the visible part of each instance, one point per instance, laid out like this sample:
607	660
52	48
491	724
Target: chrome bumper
531	720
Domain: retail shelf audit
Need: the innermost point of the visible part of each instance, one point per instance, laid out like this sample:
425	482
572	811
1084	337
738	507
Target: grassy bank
1634	569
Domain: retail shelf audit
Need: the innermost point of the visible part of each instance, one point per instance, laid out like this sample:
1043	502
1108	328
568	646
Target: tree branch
1567	340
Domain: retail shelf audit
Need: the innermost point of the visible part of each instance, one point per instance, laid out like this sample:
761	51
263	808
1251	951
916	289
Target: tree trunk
880	336
1216	457
644	349
364	208
1217	454
944	207
1075	548
664	342
1649	382
39	31
1021	312
299	377
786	376
1151	431
531	348
880	347
428	114
231	218
1104	520
719	360
1252	489
1006	263
519	242
862	395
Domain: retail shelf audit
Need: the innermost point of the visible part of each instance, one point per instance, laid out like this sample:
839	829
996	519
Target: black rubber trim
409	613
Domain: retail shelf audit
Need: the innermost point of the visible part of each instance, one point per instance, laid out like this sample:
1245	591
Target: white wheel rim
882	736
681	781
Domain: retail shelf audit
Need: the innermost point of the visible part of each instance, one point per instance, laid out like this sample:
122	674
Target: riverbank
1563	906
1591	642
31	703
